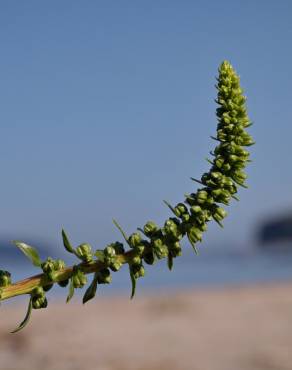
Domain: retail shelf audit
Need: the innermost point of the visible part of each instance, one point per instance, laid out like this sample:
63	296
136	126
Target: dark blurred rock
276	232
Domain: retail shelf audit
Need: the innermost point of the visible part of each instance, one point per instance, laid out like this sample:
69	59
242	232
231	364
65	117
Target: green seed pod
5	278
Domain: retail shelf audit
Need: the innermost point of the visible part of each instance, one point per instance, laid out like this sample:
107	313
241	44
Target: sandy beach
239	328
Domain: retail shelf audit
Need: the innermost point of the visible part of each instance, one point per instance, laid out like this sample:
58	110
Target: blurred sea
211	268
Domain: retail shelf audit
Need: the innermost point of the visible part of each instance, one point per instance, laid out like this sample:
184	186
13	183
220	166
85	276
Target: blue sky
106	108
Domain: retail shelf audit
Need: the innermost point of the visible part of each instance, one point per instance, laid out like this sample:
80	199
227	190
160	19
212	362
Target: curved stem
26	286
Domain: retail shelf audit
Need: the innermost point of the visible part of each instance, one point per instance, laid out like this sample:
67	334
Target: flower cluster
151	242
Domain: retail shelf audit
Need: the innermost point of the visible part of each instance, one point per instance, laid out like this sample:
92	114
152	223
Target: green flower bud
239	177
38	292
185	217
160	249
137	271
38	298
195	235
84	252
79	278
171	229
109	251
5	278
135	240
175	249
202	196
59	265
136	260
219	213
150	228
115	266
118	247
48	265
38	303
221	196
180	210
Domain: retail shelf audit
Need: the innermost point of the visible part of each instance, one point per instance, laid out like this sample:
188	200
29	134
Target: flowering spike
218	186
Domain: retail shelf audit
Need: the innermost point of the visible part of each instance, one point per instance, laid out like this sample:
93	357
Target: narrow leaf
133	281
71	290
30	252
169	206
194	247
219	223
198	181
26	319
142	231
67	243
121	231
91	290
170	261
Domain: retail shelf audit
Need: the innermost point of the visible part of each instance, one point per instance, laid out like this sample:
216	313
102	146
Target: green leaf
121	231
169	206
30	252
66	242
196	180
133	281
26	319
91	290
194	246
170	261
71	290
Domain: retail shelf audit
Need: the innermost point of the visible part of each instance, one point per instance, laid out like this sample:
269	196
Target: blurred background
107	108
